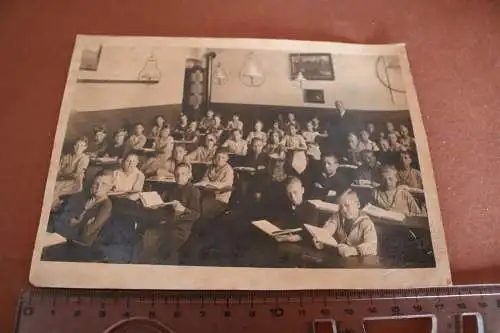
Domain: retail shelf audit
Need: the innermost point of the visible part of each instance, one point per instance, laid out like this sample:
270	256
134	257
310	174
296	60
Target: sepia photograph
186	163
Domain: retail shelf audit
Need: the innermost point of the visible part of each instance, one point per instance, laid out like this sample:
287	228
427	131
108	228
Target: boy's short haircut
223	150
388	169
292	181
100	129
83	139
349	193
331	154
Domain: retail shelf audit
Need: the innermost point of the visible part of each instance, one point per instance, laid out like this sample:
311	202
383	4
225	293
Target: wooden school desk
454	50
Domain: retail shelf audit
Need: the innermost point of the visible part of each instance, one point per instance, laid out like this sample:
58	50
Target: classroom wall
356	82
83	123
125	63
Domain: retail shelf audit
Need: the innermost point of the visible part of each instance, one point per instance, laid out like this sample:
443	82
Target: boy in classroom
235	123
276	128
167	169
159	123
204	154
207	122
220	175
191	134
181	127
236	144
137	140
370	128
391	129
391	196
257	133
72	168
162	242
407	175
98	146
292	121
353	156
385	155
370	169
163	146
405	139
353	230
128	178
117	148
330	183
394	145
86	213
216	128
365	143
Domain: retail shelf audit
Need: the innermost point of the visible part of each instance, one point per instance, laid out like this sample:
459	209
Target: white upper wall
125	63
356	82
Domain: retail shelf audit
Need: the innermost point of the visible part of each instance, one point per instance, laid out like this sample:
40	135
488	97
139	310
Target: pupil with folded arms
394	197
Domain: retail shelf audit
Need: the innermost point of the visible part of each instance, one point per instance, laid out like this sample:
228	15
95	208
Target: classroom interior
257	85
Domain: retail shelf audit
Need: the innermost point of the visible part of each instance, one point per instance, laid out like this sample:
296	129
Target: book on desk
152	200
272	230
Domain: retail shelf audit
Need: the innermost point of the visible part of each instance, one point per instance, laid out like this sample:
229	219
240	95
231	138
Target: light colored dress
223	177
71	174
202	155
232	125
254	134
135	142
360	235
236	147
296	146
126	183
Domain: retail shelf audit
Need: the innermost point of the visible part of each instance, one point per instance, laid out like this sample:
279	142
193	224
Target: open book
321	235
383	214
152	200
348	166
325	206
272	230
209	185
244	168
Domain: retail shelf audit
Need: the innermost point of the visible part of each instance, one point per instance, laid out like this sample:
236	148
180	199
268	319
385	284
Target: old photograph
239	164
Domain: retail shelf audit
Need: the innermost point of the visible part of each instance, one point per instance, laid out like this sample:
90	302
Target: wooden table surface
454	50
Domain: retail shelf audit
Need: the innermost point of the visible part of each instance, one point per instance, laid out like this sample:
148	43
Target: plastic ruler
341	311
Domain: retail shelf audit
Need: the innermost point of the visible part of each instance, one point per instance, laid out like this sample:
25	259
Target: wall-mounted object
90	58
313	66
315	96
251	74
219	76
299	80
385	67
150	72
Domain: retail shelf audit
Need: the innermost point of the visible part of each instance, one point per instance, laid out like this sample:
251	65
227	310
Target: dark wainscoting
82	123
267	113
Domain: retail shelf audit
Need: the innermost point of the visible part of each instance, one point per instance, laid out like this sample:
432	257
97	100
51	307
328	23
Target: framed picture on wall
313	66
316	96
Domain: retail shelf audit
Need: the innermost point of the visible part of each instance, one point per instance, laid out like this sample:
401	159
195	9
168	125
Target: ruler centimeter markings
89	311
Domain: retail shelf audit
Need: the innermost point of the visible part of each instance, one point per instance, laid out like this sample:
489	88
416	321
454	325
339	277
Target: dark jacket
189	197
